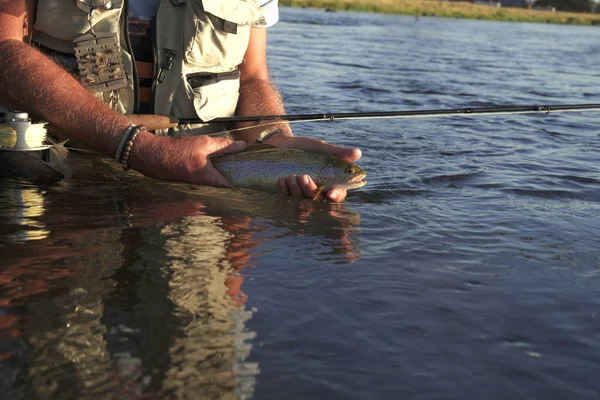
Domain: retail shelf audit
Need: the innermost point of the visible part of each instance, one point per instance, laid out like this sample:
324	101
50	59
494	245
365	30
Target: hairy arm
258	95
31	82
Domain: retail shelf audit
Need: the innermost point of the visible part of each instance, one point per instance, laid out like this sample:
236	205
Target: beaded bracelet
124	138
131	135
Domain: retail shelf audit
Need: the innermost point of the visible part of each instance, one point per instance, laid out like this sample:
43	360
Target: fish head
341	173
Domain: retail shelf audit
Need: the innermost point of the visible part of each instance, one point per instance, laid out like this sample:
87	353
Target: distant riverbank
450	10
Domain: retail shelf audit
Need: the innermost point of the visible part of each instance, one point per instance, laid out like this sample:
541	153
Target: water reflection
21	204
135	289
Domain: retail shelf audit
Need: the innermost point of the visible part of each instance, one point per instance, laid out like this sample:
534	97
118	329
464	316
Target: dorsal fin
259	146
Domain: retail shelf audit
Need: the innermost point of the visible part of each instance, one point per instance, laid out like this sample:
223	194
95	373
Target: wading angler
94	68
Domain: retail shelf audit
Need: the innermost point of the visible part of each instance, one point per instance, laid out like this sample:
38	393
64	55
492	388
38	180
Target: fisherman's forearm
31	82
259	97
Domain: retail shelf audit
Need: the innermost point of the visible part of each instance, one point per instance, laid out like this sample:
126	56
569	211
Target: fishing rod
470	111
154	122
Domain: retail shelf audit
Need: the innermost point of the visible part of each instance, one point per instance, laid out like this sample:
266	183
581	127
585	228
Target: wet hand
184	159
304	186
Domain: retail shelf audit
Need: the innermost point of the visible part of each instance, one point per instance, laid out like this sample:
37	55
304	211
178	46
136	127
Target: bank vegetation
451	9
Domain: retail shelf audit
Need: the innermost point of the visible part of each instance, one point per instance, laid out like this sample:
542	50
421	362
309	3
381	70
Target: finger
308	186
224	146
292	182
211	177
347	153
352	155
281	186
337	195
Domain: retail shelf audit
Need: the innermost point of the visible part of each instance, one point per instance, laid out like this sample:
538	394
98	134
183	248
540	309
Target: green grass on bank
448	9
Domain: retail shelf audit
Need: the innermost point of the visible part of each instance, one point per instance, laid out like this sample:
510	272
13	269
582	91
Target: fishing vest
198	46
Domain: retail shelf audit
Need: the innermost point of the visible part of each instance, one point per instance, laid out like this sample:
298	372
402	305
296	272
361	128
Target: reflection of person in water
155	307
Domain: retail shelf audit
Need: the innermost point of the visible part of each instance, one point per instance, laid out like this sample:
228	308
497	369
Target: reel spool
17	133
26	152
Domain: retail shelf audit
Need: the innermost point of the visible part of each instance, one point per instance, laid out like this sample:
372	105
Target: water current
468	266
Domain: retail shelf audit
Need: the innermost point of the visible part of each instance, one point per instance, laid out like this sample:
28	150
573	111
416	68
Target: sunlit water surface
468	267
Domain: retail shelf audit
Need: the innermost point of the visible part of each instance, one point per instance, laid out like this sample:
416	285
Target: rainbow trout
260	166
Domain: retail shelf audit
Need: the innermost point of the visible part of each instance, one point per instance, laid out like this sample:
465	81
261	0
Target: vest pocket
64	20
239	12
214	94
216	33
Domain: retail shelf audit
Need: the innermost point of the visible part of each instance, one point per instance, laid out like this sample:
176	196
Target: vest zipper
155	58
167	64
203	79
160	69
129	48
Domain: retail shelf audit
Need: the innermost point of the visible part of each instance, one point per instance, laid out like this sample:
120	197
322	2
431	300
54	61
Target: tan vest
195	39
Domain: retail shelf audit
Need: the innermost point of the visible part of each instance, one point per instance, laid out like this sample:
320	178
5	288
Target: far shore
437	8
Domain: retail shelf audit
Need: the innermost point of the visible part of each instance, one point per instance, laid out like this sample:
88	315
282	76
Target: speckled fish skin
260	167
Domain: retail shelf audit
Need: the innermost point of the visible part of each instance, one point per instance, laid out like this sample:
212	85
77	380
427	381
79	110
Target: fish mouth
357	181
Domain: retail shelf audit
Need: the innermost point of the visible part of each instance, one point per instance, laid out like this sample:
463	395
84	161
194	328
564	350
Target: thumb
225	146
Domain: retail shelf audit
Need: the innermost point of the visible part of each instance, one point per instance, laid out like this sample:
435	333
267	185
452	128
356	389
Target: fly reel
18	133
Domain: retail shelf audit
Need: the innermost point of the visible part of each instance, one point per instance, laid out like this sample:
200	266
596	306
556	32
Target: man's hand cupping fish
304	186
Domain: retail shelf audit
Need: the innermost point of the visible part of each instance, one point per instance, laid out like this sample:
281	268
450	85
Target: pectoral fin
319	192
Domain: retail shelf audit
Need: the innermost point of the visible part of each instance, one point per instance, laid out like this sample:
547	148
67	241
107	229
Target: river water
468	266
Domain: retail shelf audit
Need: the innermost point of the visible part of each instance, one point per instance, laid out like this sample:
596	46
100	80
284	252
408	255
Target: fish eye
350	170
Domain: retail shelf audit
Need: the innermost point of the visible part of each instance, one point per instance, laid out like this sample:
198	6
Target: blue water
468	266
